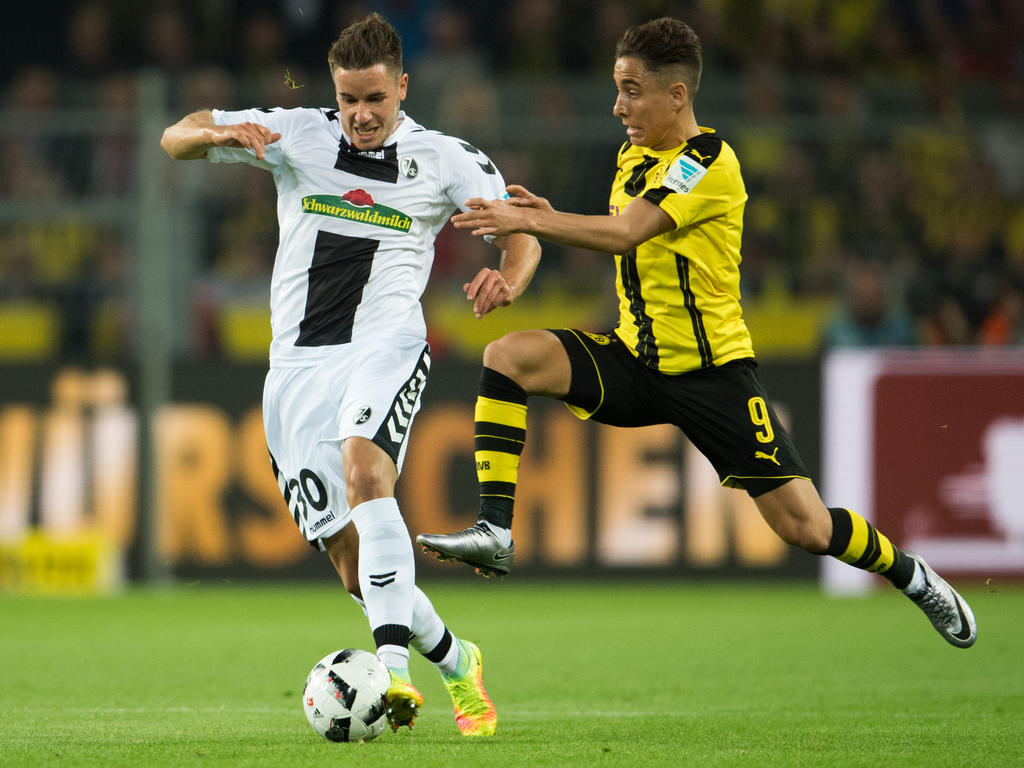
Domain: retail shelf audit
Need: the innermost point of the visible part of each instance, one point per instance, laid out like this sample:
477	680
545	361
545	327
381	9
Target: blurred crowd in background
882	144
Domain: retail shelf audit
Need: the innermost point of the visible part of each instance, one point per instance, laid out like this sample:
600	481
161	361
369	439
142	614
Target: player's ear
680	94
403	86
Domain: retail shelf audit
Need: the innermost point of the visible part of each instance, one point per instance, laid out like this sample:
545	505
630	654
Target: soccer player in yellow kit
681	353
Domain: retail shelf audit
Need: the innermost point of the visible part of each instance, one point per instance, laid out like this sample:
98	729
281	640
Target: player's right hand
245	135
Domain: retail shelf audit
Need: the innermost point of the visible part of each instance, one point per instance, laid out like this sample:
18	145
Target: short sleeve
471	174
277	120
691	191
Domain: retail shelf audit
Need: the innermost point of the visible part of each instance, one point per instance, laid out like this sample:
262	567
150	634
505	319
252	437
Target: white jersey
357	228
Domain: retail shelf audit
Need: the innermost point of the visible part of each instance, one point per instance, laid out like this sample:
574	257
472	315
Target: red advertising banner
936	460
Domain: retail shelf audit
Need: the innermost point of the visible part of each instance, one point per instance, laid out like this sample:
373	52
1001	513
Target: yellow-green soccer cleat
474	711
402	702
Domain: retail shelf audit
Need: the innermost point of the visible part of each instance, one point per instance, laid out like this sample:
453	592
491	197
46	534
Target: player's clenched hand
487	291
246	135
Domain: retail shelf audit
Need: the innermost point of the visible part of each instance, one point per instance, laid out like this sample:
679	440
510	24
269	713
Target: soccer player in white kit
363	191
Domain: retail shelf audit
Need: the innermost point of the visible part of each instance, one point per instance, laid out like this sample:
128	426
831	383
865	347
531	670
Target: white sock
431	637
504	535
387	577
427	632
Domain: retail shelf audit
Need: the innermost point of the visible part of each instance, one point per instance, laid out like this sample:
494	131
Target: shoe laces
482	528
467	697
466	693
938	605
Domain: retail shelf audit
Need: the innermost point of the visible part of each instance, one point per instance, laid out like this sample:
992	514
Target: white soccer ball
344	696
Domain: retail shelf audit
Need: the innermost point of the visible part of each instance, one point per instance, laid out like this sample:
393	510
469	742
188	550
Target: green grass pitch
644	673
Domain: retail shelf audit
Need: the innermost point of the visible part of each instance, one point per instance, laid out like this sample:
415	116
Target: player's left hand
488	290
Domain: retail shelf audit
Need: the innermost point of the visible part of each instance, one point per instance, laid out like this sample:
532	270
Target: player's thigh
608	384
370	472
534	359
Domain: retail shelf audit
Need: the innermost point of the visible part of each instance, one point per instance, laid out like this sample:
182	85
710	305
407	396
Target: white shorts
371	391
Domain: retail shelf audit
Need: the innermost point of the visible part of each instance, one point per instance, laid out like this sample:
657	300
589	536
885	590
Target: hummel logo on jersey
382	579
768	457
409	167
362	415
373	154
487	166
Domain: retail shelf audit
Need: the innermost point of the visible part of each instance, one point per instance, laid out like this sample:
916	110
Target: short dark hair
365	44
664	42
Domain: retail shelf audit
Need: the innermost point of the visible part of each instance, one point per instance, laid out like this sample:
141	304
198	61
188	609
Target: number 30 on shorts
759	416
308	489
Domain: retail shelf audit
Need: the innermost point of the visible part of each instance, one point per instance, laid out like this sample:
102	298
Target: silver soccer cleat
476	546
947	611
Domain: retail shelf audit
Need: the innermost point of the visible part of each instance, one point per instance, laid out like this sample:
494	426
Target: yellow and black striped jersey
679	292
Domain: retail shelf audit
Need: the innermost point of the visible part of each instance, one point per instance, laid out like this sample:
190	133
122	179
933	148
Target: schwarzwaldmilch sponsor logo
357	205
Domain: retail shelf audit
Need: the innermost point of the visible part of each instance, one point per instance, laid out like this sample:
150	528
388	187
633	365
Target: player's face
369	100
648	109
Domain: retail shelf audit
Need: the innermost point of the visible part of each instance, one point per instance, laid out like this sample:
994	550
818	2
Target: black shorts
724	411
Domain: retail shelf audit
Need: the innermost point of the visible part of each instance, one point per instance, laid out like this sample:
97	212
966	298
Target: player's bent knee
536	360
505	355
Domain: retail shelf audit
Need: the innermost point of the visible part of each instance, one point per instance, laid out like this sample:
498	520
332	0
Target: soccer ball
344	696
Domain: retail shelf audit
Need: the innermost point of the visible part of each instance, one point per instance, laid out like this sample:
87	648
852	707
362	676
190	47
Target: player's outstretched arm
191	137
492	288
525	212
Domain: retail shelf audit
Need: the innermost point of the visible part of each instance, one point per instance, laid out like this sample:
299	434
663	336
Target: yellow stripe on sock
885	558
500	412
858	539
496	466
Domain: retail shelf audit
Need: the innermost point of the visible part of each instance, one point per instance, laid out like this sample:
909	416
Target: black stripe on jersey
637	181
704	148
339	271
657	195
696	320
364	164
646	348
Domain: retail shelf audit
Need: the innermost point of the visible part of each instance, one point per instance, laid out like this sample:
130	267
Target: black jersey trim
638	178
696	319
646	348
393	431
657	195
704	148
366	165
